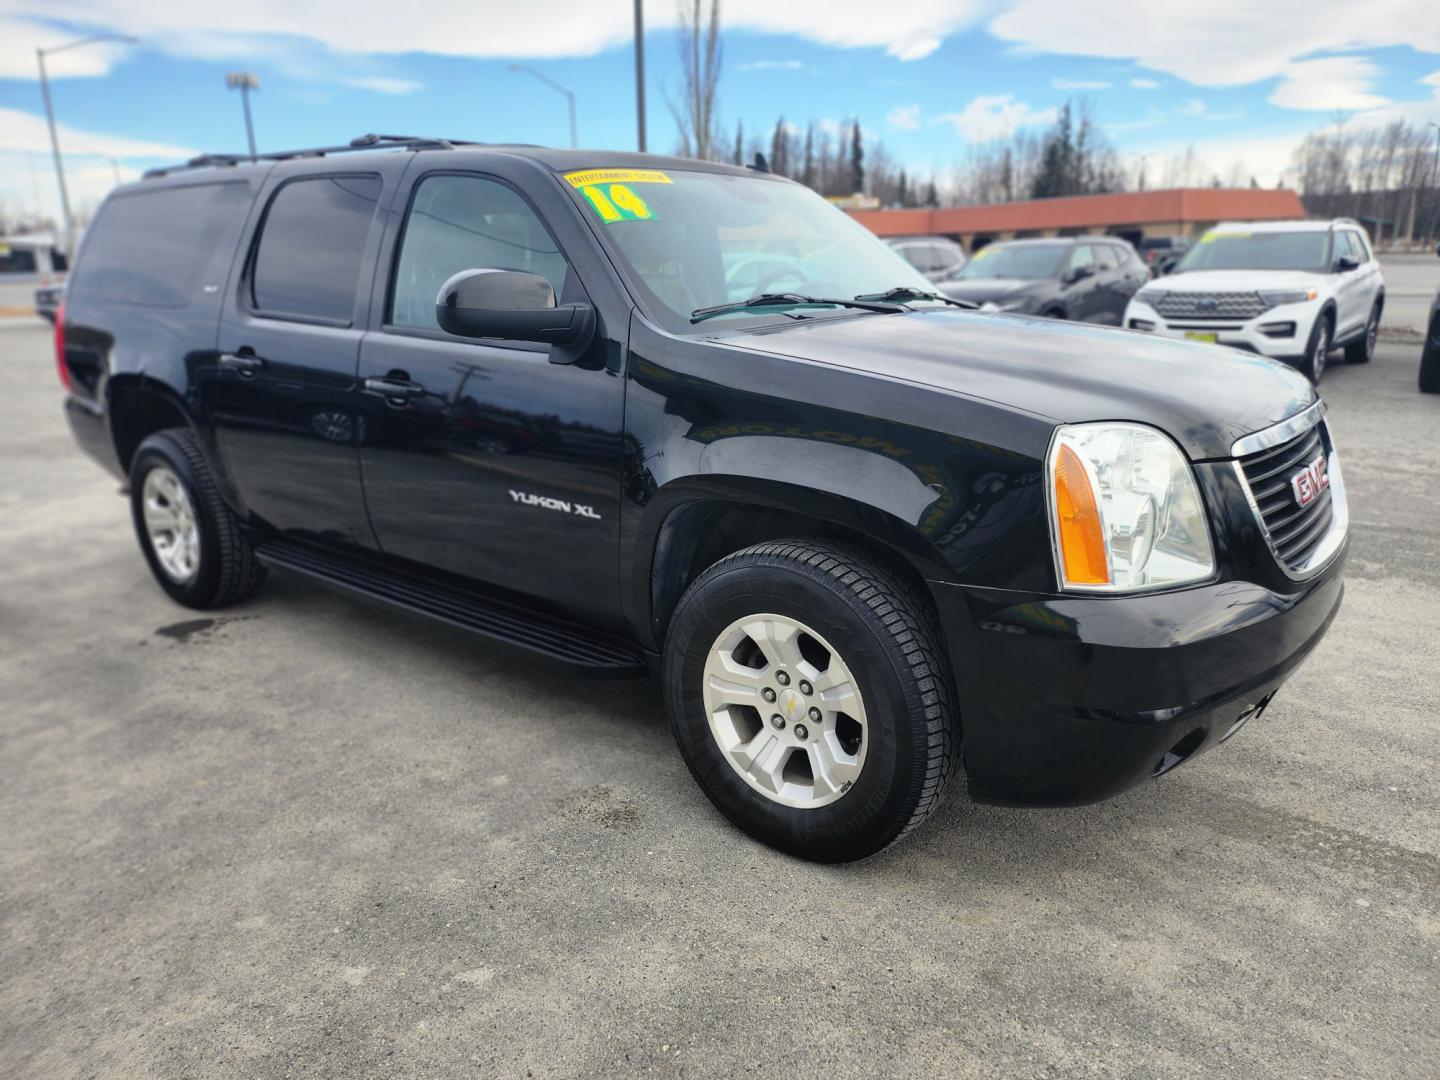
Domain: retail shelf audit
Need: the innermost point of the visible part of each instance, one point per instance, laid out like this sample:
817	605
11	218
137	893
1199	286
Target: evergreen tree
857	160
739	142
807	168
779	158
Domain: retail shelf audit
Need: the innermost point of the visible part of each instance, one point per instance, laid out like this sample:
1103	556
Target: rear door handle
394	390
244	364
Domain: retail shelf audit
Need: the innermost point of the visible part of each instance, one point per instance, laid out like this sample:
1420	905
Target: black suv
1087	279
867	538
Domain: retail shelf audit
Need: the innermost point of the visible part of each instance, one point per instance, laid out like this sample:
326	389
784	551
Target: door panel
283	398
499	465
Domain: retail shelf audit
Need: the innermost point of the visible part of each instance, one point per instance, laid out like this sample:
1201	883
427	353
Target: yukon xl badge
560	505
1310	481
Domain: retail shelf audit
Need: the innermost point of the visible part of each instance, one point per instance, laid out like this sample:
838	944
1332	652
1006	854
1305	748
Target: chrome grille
1296	534
1210	305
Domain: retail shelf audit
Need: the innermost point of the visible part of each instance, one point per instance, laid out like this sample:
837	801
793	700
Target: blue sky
1240	82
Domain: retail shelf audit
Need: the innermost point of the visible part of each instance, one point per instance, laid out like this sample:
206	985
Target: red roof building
1132	215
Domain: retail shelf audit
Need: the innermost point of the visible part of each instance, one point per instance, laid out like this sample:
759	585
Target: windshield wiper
904	293
790	300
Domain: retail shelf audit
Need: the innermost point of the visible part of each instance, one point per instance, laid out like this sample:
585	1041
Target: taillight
60	364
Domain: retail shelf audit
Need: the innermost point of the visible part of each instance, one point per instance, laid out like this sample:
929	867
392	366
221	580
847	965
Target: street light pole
244	81
640	73
40	54
569	97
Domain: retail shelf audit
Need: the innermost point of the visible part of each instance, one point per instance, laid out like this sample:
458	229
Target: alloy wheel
170	525
785	710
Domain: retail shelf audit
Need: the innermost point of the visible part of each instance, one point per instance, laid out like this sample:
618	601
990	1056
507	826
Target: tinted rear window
151	248
309	261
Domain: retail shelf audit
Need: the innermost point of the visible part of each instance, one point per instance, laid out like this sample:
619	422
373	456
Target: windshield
1031	261
1258	251
692	240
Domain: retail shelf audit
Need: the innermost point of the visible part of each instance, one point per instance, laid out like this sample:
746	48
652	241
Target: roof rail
1344	221
362	142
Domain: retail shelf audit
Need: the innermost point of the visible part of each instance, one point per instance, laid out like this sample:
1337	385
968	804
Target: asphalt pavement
311	837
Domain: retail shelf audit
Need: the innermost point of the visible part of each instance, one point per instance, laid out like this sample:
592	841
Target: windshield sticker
616	176
616	202
1211	236
983	253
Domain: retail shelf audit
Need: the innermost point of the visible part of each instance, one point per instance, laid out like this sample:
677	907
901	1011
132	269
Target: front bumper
1248	334
1066	700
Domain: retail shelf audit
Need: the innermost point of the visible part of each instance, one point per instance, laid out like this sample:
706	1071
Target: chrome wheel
170	525
785	711
1322	350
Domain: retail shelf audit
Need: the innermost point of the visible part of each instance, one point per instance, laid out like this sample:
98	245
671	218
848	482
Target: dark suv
1086	279
865	537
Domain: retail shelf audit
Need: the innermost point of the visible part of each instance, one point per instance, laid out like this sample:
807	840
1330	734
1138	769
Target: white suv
1291	290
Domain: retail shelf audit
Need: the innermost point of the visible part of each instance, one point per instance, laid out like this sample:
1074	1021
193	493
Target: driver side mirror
1344	264
1079	273
512	305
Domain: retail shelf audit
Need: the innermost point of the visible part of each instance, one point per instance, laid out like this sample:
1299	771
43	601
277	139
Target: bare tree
700	66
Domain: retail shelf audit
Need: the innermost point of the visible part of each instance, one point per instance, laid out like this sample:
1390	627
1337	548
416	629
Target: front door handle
395	391
243	363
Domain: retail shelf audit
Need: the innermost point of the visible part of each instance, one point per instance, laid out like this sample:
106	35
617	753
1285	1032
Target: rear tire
1362	348
188	535
1317	351
788	625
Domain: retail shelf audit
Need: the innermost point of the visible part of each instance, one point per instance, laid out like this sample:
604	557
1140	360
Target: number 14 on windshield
617	202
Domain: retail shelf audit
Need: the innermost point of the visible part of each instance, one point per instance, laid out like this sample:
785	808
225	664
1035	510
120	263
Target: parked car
1161	253
47	300
1086	278
1291	290
937	257
1430	356
842	523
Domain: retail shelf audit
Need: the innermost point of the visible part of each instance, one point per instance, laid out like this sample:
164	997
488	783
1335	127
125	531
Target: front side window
690	240
309	261
1084	256
466	223
1259	251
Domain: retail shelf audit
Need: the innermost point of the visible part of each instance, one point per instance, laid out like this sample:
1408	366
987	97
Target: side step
558	639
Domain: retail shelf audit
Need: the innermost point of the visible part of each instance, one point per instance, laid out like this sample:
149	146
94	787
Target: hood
1205	396
1194	281
995	290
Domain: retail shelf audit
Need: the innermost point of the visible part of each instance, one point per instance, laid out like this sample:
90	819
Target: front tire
808	692
1317	351
188	535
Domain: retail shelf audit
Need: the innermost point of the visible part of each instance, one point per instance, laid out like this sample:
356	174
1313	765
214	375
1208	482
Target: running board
568	642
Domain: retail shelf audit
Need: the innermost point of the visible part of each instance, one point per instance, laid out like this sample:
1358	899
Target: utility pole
244	81
68	240
569	97
640	73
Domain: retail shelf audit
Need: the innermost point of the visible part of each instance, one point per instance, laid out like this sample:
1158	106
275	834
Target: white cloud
1144	84
1191	107
19	38
383	85
465	28
1227	43
903	117
25	131
1432	79
997	116
773	65
1327	84
1080	84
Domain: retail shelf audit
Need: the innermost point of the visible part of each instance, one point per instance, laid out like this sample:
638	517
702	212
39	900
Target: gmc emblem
1310	481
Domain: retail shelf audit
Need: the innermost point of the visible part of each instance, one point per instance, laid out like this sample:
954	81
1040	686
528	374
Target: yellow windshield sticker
616	176
983	253
1213	235
616	202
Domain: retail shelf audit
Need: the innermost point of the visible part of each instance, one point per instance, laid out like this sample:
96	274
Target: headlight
1125	510
1150	296
1276	297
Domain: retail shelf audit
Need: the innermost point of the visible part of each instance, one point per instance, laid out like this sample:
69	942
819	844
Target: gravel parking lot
313	837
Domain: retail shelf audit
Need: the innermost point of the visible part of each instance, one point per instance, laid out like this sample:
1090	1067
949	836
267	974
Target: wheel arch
138	407
690	526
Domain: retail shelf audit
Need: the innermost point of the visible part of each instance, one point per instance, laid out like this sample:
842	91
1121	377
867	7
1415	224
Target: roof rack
363	142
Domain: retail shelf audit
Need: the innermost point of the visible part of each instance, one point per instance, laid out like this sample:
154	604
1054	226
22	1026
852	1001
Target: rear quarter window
151	248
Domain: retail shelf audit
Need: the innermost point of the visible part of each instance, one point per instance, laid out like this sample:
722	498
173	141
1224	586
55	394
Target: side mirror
1079	273
512	305
1344	264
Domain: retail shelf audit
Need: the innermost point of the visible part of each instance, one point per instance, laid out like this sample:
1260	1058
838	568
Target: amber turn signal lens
1077	523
